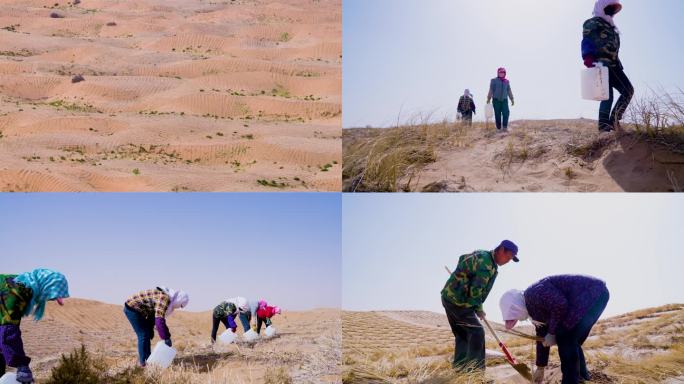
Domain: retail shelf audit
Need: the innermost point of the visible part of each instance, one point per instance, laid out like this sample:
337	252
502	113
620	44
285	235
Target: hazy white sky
395	246
418	56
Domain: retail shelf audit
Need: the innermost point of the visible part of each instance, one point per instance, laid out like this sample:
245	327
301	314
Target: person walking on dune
246	311
21	296
563	309
265	313
499	92
225	313
148	309
466	107
601	44
463	296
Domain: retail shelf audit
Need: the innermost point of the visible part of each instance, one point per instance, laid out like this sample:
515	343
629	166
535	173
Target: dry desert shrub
386	156
659	117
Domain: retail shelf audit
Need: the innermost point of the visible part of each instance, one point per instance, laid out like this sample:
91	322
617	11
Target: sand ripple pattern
177	95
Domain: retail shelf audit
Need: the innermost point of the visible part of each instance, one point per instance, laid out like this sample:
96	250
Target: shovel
522	368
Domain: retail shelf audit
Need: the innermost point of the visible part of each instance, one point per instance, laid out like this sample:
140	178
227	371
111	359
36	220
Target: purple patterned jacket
560	301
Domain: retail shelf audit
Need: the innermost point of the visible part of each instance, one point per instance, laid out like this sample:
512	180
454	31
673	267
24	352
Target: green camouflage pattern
605	40
14	299
470	284
224	309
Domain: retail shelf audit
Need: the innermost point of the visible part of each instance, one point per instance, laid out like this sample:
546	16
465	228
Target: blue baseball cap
510	246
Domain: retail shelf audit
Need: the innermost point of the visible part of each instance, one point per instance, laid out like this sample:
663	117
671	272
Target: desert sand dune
236	95
415	346
534	156
308	345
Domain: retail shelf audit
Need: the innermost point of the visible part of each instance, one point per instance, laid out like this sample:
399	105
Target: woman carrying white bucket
601	44
224	313
264	314
149	309
24	295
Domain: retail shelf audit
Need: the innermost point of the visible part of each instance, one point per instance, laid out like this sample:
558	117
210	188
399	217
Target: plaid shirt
150	303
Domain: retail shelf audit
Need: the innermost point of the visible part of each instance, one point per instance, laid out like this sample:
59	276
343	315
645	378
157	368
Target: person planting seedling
563	310
149	309
601	44
21	296
264	314
225	313
246	311
462	297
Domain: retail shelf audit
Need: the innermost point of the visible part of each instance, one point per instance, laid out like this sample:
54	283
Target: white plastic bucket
270	331
227	337
595	85
250	336
162	355
9	378
489	111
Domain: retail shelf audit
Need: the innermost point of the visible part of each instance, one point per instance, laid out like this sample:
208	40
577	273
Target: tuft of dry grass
390	159
277	376
659	117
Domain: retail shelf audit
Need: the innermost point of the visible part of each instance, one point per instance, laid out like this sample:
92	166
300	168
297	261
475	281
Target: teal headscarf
46	285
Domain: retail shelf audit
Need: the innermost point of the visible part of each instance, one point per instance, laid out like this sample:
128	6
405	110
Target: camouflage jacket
469	285
14	299
225	309
602	41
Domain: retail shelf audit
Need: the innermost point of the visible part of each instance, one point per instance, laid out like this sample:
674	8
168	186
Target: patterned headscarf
46	285
177	299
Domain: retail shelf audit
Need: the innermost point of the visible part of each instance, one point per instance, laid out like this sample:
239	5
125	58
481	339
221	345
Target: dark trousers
573	364
469	353
261	321
215	326
245	319
467	118
144	329
619	81
501	112
12	348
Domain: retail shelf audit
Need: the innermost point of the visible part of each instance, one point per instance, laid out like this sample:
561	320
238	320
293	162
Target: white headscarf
512	305
600	9
177	299
240	302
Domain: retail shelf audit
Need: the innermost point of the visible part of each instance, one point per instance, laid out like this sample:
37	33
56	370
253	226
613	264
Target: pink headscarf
276	310
262	303
498	71
502	69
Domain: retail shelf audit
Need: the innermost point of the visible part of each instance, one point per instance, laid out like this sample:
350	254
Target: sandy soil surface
308	344
190	95
422	341
536	156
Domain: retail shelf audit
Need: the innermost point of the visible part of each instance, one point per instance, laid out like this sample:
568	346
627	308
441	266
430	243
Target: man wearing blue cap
463	296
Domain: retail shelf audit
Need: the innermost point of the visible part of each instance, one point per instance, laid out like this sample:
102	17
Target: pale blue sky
419	56
282	247
395	246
